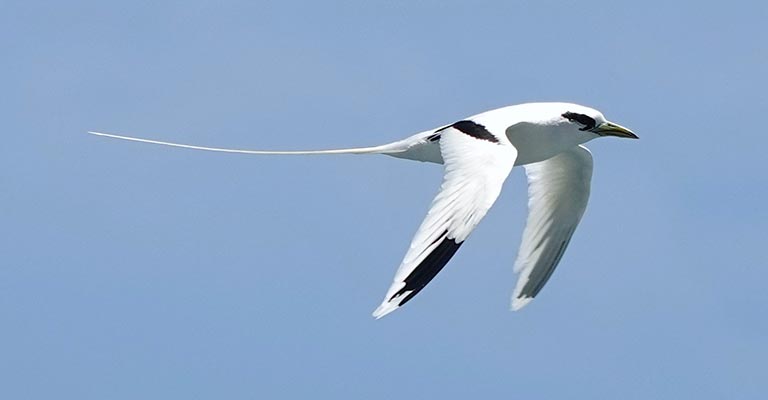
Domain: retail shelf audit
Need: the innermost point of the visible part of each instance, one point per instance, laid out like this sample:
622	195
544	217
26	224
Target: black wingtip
428	268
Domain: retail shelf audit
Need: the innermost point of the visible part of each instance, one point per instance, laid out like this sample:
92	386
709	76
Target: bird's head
542	130
590	122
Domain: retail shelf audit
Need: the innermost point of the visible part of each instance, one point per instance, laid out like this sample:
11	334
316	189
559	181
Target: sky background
133	271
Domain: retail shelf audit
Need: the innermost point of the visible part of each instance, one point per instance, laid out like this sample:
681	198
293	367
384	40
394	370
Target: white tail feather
383	149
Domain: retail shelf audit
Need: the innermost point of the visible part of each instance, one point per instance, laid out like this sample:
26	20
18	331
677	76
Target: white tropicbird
478	153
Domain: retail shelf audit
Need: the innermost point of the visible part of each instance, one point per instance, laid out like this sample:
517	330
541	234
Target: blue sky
136	271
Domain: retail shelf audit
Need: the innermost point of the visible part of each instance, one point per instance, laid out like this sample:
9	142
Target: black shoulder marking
434	137
588	122
473	129
428	268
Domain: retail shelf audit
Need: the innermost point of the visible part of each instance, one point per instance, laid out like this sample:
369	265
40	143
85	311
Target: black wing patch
471	128
428	268
588	122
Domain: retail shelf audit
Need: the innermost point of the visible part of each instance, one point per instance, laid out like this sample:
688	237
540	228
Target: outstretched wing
476	165
558	192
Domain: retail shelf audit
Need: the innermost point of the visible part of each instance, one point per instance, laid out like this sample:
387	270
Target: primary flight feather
478	153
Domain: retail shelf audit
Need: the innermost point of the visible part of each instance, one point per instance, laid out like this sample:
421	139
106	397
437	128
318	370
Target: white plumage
478	153
558	192
475	171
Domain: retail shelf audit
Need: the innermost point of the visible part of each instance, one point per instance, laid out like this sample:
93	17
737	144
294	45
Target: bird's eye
588	122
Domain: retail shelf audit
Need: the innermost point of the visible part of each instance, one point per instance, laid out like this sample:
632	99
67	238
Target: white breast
536	143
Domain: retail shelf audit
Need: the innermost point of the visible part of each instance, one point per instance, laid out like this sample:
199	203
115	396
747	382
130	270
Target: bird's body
478	153
540	138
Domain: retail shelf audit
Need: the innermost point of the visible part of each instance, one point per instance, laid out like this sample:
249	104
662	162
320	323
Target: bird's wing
476	165
558	191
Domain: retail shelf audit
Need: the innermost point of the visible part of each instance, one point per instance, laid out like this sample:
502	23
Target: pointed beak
611	129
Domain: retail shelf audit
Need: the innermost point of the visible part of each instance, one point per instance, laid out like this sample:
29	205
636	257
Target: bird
478	153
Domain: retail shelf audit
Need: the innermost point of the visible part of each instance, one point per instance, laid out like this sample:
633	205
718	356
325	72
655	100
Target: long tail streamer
387	148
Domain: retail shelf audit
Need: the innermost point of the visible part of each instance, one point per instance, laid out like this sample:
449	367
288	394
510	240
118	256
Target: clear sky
132	271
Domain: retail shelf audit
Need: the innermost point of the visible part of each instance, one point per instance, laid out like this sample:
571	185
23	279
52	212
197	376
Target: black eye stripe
588	122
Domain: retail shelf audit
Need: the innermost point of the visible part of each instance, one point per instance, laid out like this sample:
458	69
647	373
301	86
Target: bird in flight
478	153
